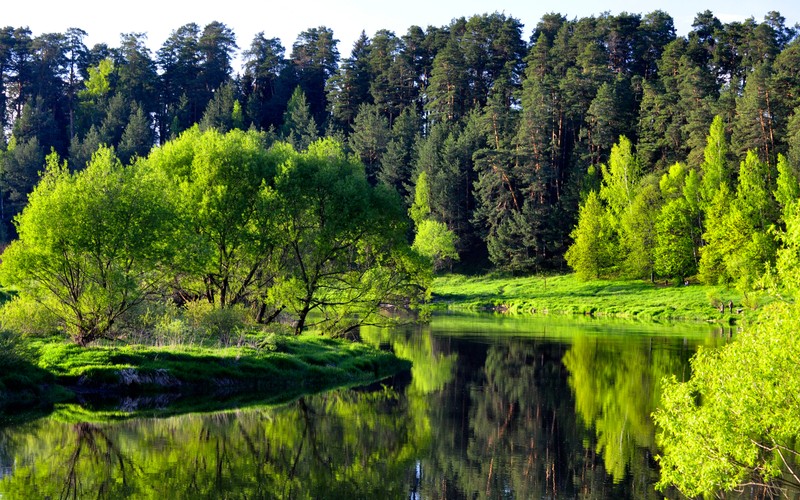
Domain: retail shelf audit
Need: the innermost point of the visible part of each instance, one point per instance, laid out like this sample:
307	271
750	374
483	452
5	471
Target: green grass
281	369
565	294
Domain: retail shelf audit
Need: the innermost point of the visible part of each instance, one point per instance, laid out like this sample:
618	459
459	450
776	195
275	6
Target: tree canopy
511	131
228	219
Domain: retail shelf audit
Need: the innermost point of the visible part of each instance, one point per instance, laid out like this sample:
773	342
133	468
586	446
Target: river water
494	407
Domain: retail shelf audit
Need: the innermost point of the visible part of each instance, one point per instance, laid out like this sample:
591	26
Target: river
494	407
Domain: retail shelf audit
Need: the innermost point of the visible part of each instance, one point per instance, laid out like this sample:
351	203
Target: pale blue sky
104	21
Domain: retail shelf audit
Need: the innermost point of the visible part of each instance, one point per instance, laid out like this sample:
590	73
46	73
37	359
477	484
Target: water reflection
532	410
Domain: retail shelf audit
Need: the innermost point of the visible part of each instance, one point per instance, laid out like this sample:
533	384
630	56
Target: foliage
511	132
736	420
90	244
224	225
591	256
675	251
27	317
299	128
345	241
218	183
739	247
639	233
620	178
434	241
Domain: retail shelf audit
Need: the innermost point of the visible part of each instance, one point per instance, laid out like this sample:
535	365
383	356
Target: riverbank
566	294
57	371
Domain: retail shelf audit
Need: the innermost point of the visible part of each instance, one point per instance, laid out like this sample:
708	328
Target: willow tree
347	255
92	244
217	182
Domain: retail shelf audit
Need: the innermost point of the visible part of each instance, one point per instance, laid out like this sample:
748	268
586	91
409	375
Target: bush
215	323
28	317
157	323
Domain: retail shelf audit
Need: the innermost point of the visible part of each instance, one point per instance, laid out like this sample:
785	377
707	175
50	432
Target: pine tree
349	87
299	127
398	160
370	138
137	139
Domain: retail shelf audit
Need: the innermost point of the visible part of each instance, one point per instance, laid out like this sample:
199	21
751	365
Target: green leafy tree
735	422
639	233
433	239
92	244
593	251
675	253
219	183
715	167
436	242
620	178
738	244
678	232
787	262
717	238
346	248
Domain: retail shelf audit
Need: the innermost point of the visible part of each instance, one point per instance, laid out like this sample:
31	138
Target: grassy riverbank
57	371
565	294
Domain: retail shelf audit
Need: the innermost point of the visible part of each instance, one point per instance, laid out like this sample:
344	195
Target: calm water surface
494	407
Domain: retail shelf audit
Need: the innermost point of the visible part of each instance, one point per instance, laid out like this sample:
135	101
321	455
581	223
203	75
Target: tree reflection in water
500	416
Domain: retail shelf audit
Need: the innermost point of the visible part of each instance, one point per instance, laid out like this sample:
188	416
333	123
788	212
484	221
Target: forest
509	136
309	185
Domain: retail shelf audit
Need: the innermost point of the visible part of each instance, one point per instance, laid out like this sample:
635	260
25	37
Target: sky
105	21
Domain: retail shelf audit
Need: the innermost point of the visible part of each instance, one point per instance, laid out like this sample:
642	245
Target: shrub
212	322
28	317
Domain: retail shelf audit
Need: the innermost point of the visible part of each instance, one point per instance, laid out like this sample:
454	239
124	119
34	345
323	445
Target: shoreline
295	366
565	295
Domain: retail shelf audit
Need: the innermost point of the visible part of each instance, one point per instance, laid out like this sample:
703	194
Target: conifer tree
299	127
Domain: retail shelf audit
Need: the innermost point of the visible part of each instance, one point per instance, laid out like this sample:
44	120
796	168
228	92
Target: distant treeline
510	133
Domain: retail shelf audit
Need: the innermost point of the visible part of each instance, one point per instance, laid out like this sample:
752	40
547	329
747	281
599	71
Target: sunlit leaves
736	420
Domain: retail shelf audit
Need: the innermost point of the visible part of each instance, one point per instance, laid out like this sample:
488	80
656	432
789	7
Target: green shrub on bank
26	316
